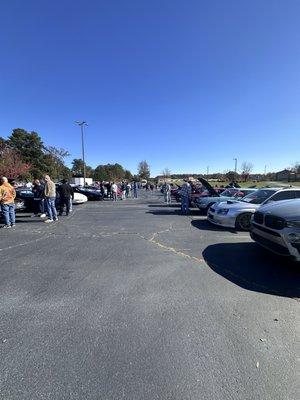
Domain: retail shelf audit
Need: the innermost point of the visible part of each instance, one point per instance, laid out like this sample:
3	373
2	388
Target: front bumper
275	241
201	206
227	221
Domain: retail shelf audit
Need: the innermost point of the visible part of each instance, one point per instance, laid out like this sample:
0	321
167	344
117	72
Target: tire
243	222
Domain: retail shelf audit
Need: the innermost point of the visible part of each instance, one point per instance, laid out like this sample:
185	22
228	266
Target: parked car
91	194
204	203
237	214
24	200
276	226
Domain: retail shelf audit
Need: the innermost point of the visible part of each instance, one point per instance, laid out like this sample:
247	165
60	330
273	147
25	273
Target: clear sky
183	84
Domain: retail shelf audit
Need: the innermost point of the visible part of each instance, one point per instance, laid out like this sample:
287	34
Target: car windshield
229	192
258	197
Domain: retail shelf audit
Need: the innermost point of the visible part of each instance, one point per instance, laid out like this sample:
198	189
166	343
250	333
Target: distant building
285	175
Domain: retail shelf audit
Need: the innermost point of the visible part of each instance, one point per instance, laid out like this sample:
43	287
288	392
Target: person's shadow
251	267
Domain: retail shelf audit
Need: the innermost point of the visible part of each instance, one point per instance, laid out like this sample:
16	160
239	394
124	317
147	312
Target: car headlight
294	237
223	211
293	224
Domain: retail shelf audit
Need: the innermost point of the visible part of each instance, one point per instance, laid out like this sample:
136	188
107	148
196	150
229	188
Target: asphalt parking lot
131	300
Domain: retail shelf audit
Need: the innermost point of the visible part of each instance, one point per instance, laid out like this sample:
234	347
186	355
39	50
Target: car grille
263	229
258	217
274	222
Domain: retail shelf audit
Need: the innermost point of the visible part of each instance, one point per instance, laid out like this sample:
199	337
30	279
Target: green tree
232	176
31	149
77	168
144	169
128	175
54	159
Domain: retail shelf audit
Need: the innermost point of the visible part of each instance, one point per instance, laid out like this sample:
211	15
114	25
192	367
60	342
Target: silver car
237	214
276	226
203	203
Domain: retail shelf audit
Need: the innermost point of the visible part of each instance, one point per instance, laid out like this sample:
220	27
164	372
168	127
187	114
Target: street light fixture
82	124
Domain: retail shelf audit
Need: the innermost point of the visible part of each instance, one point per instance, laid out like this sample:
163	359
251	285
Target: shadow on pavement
166	211
205	225
165	205
254	268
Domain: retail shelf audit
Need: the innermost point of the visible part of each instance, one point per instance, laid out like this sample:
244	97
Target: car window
229	192
259	196
297	194
283	195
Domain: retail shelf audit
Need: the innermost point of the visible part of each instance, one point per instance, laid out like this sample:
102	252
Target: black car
24	200
91	194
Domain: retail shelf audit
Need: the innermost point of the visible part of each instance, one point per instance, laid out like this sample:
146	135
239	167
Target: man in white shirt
114	189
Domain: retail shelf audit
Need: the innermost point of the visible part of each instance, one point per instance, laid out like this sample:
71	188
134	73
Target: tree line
25	156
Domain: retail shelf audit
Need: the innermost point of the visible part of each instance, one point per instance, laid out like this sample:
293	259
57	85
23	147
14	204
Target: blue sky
182	84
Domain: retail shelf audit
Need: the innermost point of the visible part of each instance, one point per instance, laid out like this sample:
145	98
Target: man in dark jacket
38	199
66	192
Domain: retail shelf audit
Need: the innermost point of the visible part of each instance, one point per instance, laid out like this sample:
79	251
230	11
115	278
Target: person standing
66	195
38	200
185	193
123	189
50	196
135	190
102	190
128	189
114	189
109	193
167	193
7	201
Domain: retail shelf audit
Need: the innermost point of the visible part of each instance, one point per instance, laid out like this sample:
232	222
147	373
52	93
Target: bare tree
296	167
166	173
246	168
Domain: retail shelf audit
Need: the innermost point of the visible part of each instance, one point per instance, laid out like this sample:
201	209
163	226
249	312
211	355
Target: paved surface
131	300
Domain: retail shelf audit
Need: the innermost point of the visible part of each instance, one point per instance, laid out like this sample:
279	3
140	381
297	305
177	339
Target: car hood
210	199
237	205
287	209
207	186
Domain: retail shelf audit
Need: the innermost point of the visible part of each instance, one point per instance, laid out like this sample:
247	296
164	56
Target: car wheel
243	222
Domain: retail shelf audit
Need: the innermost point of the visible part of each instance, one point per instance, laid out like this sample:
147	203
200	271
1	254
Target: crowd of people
113	191
45	194
51	200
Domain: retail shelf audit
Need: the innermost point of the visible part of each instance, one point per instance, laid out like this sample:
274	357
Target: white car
79	198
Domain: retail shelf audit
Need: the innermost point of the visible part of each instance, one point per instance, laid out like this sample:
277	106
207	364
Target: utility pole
265	170
235	165
82	124
207	170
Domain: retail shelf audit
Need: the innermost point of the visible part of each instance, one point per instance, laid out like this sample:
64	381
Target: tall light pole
235	165
82	124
